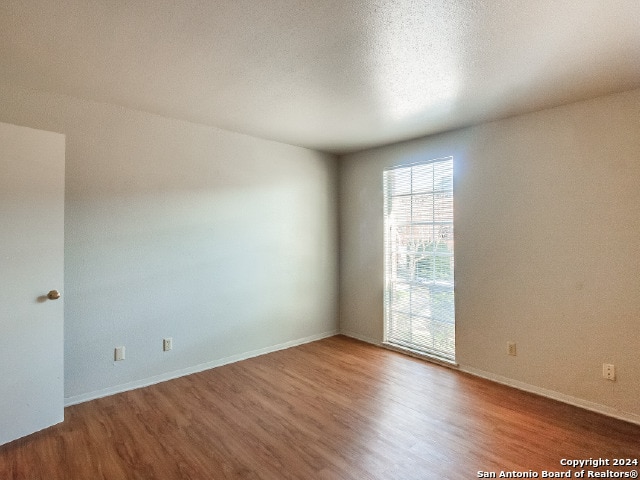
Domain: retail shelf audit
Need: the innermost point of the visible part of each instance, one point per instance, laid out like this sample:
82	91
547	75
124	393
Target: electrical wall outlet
609	371
511	348
167	344
119	354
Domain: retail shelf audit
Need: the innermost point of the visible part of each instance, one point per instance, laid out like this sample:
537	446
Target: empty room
296	239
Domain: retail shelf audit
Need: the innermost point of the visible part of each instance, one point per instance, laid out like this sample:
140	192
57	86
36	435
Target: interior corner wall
224	242
547	248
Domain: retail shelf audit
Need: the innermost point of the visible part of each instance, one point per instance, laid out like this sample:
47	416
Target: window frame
443	349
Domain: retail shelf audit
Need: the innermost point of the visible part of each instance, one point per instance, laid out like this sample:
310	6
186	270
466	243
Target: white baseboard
363	338
163	377
578	402
561	397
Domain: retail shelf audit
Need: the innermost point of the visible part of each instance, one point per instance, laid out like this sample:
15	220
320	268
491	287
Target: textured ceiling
334	75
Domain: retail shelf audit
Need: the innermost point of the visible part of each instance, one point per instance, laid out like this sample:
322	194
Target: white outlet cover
608	371
119	354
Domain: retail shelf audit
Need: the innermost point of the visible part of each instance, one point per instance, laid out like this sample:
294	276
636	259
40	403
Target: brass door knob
53	295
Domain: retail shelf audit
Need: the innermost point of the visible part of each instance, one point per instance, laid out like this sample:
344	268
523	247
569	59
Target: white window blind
419	261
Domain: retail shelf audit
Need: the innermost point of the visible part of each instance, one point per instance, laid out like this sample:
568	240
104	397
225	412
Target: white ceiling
333	75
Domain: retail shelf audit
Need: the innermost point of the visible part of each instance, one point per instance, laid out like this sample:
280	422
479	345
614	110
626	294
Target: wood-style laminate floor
333	409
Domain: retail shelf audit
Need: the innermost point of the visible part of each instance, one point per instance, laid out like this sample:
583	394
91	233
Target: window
418	248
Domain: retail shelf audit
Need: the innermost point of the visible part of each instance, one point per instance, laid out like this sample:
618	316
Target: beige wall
225	242
547	231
